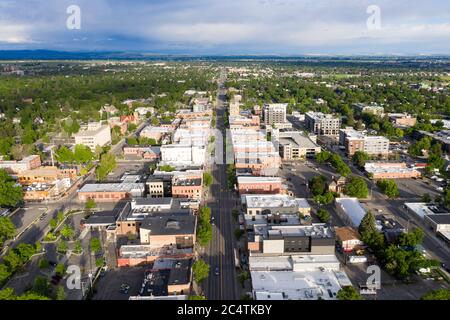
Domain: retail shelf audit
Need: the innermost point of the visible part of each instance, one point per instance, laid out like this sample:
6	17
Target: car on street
216	272
43	216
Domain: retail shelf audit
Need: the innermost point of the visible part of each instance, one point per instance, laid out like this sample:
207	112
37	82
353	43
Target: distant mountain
122	55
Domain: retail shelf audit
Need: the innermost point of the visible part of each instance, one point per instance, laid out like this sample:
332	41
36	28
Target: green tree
360	158
318	185
207	179
13	260
348	293
10	192
323	215
166	168
7	294
25	251
201	270
95	245
64	155
411	239
90	204
368	224
60	269
132	141
62	247
325	199
32	296
78	248
67	232
323	157
356	187
60	293
389	188
7	229
106	165
440	294
44	264
196	297
83	154
60	216
53	224
4	273
41	286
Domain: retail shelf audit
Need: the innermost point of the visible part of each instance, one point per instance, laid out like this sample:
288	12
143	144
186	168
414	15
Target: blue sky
229	26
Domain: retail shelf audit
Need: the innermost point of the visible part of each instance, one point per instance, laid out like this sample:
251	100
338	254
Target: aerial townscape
170	167
223	180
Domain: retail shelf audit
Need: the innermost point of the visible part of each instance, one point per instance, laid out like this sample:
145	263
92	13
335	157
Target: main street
221	285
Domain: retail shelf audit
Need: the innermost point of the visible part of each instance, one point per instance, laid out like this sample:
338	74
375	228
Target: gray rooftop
170	225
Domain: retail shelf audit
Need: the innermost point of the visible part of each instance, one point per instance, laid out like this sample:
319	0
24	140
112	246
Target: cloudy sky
230	26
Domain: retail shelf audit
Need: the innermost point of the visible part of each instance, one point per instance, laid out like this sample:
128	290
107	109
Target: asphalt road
220	252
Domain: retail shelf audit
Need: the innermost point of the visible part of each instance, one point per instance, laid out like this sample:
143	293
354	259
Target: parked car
124	288
216	272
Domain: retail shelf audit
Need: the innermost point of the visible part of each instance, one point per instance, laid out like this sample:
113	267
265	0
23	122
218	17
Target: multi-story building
354	141
322	124
381	170
183	154
259	185
235	105
294	146
16	167
46	175
188	185
155	133
111	192
162	231
402	119
95	134
274	114
250	122
292	239
296	277
263	204
372	108
348	238
143	152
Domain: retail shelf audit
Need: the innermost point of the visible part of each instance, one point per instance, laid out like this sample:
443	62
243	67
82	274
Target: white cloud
15	34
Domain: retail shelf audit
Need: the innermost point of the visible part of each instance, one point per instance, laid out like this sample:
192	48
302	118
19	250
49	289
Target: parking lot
392	289
108	287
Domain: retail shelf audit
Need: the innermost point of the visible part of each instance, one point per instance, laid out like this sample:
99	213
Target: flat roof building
322	124
381	170
295	146
259	185
316	239
274	113
111	192
354	141
307	277
263	204
95	134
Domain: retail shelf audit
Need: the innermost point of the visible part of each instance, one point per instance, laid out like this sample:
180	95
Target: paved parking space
108	287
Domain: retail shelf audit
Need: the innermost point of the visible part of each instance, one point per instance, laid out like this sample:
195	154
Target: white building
350	210
275	113
183	154
94	135
303	277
